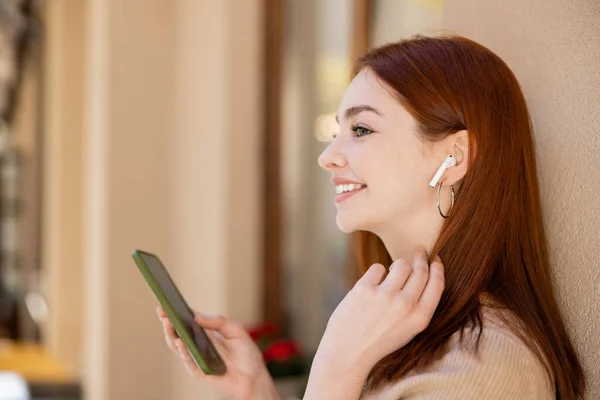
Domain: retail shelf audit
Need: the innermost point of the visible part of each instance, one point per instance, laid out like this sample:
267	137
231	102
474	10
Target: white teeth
347	187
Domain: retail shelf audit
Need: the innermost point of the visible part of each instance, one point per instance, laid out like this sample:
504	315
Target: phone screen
182	310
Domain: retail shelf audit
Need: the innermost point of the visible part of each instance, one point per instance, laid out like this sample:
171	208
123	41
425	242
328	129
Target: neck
402	239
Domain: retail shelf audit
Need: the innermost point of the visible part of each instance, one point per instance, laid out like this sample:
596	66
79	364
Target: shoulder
503	368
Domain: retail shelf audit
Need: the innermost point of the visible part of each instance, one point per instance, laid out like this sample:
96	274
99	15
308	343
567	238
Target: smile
345	191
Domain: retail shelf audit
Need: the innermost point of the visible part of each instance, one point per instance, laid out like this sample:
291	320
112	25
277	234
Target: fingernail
438	259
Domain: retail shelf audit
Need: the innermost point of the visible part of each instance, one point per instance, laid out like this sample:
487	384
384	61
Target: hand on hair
382	313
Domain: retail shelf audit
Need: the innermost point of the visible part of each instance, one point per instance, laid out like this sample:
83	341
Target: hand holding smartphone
179	313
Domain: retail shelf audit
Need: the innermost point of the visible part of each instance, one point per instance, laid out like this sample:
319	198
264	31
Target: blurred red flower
283	357
281	350
267	329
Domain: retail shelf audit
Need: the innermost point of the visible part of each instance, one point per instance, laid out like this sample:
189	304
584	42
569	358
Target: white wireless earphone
449	161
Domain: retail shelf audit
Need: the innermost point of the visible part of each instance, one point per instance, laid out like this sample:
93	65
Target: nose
332	158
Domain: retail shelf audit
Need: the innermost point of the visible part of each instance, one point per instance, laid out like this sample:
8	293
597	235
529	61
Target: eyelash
356	129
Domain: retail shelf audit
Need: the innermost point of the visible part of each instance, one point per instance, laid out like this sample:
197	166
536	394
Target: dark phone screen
182	310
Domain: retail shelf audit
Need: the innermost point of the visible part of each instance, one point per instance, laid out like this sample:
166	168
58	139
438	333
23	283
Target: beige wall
553	47
157	104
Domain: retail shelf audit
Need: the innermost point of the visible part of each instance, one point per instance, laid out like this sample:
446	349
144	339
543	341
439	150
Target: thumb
226	327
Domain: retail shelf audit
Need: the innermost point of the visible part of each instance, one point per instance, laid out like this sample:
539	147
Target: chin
347	224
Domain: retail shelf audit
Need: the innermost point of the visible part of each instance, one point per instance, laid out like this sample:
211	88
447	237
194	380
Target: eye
360	131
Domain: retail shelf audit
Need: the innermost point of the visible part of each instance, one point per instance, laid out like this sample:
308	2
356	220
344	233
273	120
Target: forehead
367	89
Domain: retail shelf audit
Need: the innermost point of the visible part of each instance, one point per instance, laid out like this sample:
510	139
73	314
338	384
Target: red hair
494	240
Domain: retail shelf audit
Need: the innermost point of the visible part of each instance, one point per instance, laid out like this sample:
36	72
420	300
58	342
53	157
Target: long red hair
494	240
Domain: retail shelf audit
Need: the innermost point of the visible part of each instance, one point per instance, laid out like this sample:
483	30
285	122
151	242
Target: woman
485	324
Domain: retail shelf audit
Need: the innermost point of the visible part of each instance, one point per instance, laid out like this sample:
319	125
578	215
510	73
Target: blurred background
191	129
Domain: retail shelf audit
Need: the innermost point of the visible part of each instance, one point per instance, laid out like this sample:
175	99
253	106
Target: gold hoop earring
438	201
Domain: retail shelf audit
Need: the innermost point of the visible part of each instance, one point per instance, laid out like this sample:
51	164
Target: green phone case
175	320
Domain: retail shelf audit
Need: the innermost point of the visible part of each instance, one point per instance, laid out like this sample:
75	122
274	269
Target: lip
343	181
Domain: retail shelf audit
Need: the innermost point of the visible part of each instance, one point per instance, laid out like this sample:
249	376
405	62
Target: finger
191	365
400	270
219	342
170	334
373	276
415	284
216	337
160	312
187	359
435	287
228	328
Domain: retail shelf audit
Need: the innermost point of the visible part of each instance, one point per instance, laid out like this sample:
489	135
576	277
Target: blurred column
216	210
128	133
64	94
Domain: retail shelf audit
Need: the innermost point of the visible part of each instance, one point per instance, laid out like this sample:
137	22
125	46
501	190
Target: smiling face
378	148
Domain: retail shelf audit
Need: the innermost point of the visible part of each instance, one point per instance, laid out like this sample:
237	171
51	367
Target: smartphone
179	313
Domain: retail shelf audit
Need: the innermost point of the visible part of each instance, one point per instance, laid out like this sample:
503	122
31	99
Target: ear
458	145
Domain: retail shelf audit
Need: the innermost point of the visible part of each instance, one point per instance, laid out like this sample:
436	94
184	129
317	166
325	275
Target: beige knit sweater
507	370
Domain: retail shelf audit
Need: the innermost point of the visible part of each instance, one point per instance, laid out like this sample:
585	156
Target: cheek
397	179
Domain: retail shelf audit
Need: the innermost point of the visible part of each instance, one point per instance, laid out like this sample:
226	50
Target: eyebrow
352	111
